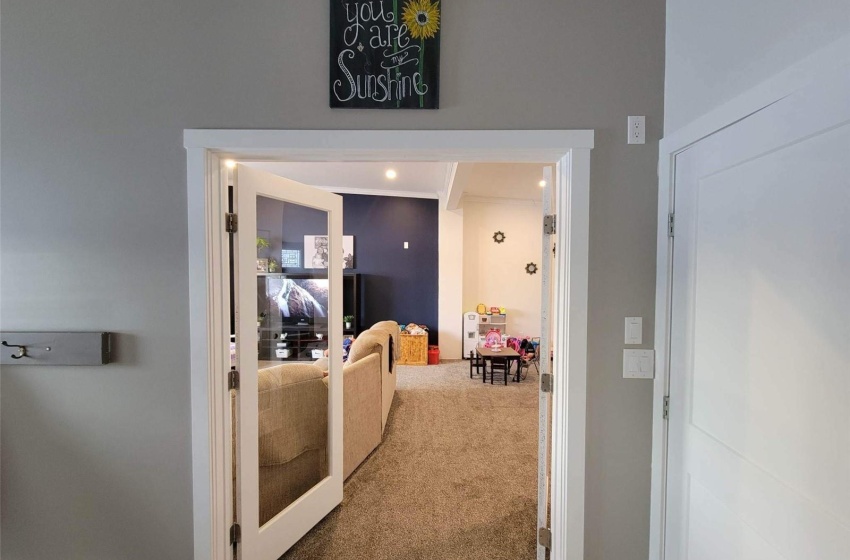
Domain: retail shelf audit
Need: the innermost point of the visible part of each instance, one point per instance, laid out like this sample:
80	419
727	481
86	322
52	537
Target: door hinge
235	533
666	407
231	222
233	379
546	382
544	537
671	223
549	222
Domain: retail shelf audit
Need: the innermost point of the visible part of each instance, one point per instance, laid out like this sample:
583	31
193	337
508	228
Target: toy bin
433	355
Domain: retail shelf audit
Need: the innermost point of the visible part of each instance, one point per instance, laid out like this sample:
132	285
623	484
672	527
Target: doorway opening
567	151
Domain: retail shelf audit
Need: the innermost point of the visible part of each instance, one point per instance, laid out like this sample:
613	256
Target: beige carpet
455	477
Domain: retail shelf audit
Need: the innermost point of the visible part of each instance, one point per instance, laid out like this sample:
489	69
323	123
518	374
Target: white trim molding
569	391
208	300
531	146
819	67
472	199
209	296
377	192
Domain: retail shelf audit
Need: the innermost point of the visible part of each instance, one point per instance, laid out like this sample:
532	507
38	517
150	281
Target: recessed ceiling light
230	163
391	174
542	183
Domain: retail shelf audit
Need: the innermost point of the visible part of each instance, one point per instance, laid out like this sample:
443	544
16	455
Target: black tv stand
300	340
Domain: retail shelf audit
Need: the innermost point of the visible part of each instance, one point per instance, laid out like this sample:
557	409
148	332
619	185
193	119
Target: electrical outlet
637	130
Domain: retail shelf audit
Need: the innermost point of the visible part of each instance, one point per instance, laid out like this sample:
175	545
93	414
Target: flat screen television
296	300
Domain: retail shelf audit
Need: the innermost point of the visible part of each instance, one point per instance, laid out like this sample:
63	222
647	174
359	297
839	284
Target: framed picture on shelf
290	258
348	251
262	265
316	251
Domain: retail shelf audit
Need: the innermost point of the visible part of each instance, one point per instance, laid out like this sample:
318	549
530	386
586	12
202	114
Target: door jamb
208	296
817	67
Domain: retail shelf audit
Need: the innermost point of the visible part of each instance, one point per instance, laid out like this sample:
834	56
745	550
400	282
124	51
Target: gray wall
95	95
719	49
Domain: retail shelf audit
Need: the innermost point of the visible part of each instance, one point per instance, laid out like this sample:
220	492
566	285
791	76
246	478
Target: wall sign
385	54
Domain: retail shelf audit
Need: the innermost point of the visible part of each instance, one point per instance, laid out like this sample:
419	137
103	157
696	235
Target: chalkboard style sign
385	54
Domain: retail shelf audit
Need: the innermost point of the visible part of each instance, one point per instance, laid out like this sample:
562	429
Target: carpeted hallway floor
455	477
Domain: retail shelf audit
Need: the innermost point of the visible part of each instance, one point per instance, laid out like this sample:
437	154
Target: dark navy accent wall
396	283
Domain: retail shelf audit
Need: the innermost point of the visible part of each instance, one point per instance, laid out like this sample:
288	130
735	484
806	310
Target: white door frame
817	68
209	297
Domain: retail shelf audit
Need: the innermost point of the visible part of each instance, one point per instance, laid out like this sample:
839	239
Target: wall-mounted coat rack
55	348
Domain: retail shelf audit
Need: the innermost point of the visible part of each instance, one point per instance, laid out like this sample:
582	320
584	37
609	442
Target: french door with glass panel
288	307
544	425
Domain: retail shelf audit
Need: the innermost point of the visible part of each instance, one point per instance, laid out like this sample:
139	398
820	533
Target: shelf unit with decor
351	289
299	341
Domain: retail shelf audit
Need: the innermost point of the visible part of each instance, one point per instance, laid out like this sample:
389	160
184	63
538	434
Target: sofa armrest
391	328
361	411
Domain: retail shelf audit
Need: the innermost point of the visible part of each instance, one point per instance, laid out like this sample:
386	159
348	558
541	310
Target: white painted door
289	452
544	423
759	421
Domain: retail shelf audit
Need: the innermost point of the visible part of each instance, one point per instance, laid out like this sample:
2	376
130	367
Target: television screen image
297	300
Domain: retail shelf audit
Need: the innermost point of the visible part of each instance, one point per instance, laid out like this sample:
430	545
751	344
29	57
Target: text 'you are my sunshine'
394	74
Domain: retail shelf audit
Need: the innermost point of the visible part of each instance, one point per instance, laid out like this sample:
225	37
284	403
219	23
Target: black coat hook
22	350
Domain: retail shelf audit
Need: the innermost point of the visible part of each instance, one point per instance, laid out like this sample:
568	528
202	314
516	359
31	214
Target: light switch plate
638	364
634	330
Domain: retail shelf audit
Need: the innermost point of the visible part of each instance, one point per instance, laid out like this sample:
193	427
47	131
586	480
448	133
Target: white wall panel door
759	422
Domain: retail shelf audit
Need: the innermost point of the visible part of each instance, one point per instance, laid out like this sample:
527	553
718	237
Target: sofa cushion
292	404
323	364
367	343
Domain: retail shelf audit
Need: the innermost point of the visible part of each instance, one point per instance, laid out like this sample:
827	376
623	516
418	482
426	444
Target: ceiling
505	182
417	179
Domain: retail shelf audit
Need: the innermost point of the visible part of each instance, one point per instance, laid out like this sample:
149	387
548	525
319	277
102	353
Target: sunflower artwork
385	54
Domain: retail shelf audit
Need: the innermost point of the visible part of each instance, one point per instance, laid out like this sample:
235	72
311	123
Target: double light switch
637	364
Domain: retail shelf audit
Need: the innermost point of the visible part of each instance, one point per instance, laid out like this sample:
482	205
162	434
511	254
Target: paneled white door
289	434
759	420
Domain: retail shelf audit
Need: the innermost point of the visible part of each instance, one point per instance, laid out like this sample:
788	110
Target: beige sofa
369	383
293	418
389	357
293	434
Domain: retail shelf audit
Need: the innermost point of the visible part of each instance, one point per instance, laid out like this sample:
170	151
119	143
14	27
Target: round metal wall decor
531	268
499	237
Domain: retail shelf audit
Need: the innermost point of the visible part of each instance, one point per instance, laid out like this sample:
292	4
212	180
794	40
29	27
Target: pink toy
493	339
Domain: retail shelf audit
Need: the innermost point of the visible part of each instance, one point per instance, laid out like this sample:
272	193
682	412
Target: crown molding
500	200
380	192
